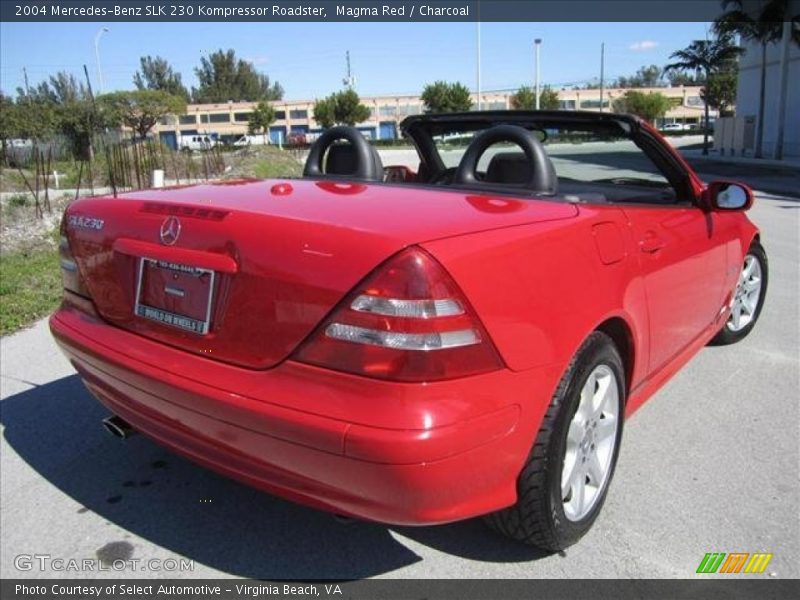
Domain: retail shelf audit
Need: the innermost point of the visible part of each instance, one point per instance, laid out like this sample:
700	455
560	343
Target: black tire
726	335
538	517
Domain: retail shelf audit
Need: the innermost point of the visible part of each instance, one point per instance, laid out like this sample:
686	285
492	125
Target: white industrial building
779	57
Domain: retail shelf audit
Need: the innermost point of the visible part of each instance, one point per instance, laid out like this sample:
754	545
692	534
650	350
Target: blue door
388	130
277	134
169	139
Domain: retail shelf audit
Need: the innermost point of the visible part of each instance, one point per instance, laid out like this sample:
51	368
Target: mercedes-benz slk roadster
458	335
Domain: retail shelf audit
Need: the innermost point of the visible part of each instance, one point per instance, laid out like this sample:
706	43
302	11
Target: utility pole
97	37
537	44
479	64
27	87
602	72
349	81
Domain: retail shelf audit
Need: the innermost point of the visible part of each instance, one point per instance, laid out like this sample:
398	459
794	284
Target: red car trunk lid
243	272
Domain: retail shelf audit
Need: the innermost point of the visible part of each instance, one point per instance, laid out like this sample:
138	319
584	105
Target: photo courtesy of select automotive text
399	299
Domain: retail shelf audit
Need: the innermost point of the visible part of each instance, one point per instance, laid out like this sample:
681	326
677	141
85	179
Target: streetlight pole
537	44
97	37
602	72
479	65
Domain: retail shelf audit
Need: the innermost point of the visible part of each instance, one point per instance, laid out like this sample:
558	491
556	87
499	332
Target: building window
187	119
694	101
280	115
566	104
494	105
410	109
242	117
298	114
387	110
593	103
219	118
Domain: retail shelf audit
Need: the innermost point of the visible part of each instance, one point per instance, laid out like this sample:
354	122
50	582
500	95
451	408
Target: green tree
523	99
650	106
644	77
708	57
340	108
61	88
155	73
62	104
31	118
348	109
677	78
548	99
442	97
720	91
764	28
261	118
223	77
141	109
9	122
324	112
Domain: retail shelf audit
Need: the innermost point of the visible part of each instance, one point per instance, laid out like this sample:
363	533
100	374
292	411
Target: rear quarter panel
540	289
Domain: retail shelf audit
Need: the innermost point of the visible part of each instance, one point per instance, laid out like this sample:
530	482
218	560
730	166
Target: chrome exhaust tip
118	427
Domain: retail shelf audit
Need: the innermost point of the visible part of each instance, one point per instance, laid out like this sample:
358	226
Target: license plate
176	295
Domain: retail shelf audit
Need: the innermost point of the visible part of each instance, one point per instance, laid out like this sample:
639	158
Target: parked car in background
676	127
197	142
296	139
252	140
464	340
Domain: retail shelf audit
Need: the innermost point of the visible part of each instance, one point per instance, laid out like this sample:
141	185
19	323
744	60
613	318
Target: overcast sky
308	59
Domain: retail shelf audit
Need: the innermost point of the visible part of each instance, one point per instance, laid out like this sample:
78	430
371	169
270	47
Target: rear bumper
395	453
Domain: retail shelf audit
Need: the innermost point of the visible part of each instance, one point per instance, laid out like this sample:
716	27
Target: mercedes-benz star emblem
170	230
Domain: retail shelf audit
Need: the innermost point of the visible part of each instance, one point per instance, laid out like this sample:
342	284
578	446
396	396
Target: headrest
509	168
342	159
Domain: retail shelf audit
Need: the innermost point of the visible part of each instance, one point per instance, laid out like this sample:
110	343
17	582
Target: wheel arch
620	333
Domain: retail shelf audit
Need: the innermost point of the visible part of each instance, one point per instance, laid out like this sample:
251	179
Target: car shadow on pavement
160	497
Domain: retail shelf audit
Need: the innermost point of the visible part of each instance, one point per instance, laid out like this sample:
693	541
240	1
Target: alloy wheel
748	292
591	439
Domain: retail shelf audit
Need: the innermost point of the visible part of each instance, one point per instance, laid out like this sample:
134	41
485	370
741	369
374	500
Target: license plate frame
166	317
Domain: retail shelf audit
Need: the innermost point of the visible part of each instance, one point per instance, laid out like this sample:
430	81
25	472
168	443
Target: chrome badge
81	222
170	230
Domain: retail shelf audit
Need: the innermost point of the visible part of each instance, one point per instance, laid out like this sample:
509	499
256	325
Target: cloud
257	60
643	46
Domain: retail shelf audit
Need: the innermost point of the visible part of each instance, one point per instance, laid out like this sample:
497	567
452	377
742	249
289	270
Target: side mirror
726	195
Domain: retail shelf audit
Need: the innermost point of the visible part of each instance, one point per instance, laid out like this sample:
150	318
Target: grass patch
264	162
267	170
30	287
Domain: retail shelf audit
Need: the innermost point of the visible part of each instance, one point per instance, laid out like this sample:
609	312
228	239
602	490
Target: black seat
342	159
513	168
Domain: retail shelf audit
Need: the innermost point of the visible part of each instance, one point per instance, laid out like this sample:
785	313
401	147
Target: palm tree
764	28
709	57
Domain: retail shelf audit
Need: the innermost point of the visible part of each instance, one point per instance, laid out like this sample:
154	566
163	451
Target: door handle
651	243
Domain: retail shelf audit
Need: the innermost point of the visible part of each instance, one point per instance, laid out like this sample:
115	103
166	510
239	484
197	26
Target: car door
682	259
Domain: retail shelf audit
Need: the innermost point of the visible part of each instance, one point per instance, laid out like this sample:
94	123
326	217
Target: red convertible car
417	344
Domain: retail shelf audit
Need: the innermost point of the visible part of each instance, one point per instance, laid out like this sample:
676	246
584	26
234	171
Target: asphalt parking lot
710	464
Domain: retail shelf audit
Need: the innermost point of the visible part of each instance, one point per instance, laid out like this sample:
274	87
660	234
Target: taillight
70	275
408	321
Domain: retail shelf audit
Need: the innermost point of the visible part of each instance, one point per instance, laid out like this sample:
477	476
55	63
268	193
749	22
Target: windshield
580	155
594	160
